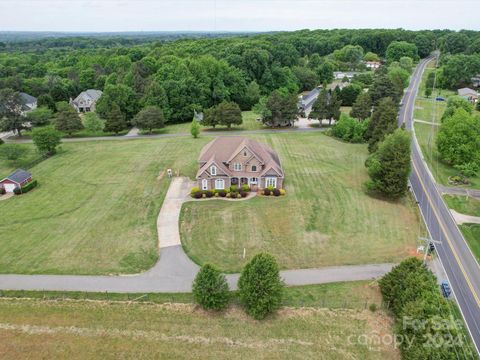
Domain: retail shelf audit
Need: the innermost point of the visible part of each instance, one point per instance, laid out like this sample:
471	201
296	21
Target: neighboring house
86	101
28	102
18	178
469	94
476	81
372	65
236	160
340	75
306	100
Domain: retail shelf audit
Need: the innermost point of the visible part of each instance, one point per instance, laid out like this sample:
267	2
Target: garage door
9	187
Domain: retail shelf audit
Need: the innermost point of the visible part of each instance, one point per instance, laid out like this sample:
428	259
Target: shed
16	179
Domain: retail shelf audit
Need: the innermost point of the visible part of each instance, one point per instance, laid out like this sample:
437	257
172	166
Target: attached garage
16	179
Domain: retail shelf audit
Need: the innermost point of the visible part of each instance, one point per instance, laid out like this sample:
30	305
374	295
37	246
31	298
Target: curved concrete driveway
174	271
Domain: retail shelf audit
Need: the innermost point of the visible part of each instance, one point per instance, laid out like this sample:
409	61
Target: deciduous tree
46	140
210	288
149	118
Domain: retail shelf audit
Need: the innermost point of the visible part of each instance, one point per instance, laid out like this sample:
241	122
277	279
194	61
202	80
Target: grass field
109	330
95	209
471	232
325	219
463	204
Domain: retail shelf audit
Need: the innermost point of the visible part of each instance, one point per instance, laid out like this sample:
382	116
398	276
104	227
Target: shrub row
421	312
260	287
274	192
2	191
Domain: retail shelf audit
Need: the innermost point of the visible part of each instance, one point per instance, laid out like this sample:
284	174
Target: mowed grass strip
95	209
91	330
325	219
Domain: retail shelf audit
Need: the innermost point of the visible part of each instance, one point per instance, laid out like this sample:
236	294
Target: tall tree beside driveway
67	120
149	118
334	107
362	107
11	118
195	128
46	139
389	167
115	121
260	286
320	106
383	122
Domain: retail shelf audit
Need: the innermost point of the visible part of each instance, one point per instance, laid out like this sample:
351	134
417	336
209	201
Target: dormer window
213	170
237	167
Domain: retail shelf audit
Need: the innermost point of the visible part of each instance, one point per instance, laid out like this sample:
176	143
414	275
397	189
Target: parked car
446	290
439	98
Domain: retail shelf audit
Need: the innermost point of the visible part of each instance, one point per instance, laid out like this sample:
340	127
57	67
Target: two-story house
235	160
86	101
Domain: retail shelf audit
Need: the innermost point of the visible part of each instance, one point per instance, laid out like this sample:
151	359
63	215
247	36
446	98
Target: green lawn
463	204
113	330
325	219
95	209
471	232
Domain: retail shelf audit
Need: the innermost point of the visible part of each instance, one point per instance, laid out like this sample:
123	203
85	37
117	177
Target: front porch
240	181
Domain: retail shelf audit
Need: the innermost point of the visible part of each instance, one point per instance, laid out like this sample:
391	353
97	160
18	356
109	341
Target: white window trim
268	179
252	182
219	187
204	184
237	166
213	170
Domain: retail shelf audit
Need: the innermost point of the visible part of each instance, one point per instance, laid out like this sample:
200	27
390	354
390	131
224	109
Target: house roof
222	149
27	99
18	176
92	94
466	91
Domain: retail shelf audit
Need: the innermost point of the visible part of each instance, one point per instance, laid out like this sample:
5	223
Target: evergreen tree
229	114
334	107
195	128
115	120
383	87
67	120
320	109
11	118
389	166
362	107
260	286
383	122
280	108
210	117
210	288
149	118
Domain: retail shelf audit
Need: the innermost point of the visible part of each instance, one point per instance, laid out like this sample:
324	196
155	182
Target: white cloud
253	15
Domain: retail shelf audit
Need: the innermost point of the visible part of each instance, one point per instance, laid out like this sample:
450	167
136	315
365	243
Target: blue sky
235	15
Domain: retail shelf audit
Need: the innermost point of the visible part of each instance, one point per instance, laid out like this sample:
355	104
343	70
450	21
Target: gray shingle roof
19	176
466	91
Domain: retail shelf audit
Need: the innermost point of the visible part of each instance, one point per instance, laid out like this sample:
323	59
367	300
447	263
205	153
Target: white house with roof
469	94
86	101
29	102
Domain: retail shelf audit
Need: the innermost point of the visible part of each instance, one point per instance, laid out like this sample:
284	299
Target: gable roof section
223	148
467	91
91	94
221	168
18	176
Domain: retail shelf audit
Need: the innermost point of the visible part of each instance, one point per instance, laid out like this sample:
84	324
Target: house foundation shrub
266	192
243	194
17	191
276	192
31	185
2	191
198	195
282	192
208	193
222	193
245	188
194	190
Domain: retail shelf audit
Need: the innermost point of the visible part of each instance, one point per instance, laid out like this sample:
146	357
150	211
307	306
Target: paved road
159	136
461	267
474	193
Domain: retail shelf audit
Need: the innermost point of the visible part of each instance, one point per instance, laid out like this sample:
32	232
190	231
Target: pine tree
210	288
320	106
334	107
67	120
362	107
389	167
383	122
115	120
195	128
229	114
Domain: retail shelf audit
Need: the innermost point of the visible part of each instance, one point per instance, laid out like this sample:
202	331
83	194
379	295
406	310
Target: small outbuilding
16	179
469	94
